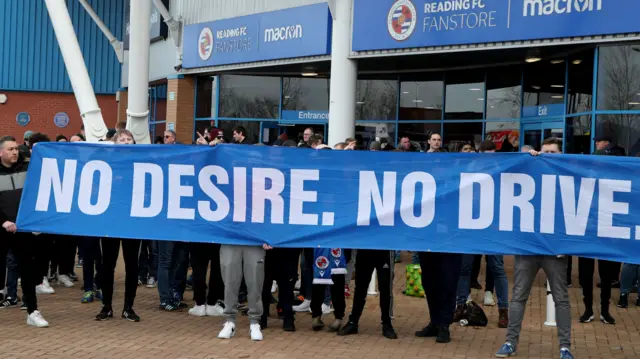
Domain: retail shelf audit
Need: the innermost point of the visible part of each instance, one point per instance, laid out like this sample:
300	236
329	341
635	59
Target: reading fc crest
205	44
322	262
402	19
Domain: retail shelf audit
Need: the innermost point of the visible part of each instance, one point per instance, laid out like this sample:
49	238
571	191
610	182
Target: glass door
535	132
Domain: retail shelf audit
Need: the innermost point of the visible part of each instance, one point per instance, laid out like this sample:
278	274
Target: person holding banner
334	276
110	252
12	179
526	269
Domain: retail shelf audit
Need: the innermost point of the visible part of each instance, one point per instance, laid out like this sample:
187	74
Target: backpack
474	315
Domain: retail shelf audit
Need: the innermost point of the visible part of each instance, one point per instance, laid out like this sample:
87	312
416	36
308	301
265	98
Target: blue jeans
12	276
415	259
173	262
629	278
496	268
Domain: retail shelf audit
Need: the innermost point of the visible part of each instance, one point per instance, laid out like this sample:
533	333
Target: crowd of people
243	278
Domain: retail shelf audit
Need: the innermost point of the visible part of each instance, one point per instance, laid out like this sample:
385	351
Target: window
544	83
578	138
376	100
421	100
372	131
303	94
252	127
506	135
624	130
464	95
249	96
206	97
418	132
457	132
580	82
619	78
504	92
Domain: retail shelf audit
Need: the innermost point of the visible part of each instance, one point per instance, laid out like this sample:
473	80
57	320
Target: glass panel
504	92
553	132
158	132
249	96
269	134
205	99
296	133
619	78
533	138
376	100
455	133
465	95
506	135
304	94
382	132
252	127
578	138
202	127
418	133
544	83
580	82
421	100
622	130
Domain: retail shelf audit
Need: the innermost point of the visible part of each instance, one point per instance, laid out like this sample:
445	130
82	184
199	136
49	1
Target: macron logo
551	7
283	33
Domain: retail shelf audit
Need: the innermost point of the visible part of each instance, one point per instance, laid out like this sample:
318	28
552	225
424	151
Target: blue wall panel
30	59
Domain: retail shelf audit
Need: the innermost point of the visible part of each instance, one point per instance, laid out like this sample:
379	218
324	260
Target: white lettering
177	191
239	194
509	200
553	7
283	33
211	190
156	197
427	203
548	204
62	188
607	207
466	202
261	194
105	177
369	191
298	196
575	219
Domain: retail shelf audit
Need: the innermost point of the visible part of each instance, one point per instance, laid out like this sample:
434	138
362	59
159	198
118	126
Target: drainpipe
138	111
94	125
175	27
117	45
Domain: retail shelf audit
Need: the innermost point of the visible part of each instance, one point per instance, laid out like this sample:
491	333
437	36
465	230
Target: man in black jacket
12	178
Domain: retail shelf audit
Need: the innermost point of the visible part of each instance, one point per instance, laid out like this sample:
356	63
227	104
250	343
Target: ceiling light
576	62
481	99
634	103
429	107
287	97
536	87
558	86
405	92
558	61
417	101
557	96
533	55
475	89
492	106
309	72
360	103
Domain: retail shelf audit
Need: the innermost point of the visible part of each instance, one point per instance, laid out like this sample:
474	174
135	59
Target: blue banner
389	24
497	203
294	32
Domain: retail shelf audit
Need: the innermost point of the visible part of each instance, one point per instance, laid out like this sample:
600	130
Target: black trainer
623	302
388	331
606	318
638	301
73	276
105	314
130	315
9	303
349	329
170	307
429	331
263	323
23	306
587	317
444	336
288	325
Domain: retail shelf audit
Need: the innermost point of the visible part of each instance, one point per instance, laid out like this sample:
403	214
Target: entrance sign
294	32
303	116
385	24
516	203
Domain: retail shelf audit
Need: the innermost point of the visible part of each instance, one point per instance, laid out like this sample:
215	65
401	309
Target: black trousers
337	297
110	252
475	270
64	254
44	253
148	261
608	273
440	275
201	255
23	246
281	265
366	261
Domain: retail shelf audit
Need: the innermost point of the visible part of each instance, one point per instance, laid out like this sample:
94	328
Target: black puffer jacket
11	183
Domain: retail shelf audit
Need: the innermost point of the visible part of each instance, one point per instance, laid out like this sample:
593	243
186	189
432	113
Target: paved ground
74	333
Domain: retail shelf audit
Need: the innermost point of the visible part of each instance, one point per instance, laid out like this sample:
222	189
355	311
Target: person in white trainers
236	262
12	178
211	304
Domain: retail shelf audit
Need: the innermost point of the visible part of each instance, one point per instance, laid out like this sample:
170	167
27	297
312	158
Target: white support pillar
372	284
344	76
138	111
94	125
117	45
551	308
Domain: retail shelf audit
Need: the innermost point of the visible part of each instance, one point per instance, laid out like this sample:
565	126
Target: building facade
513	71
34	84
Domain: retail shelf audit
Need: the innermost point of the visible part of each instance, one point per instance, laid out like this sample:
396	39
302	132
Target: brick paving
74	333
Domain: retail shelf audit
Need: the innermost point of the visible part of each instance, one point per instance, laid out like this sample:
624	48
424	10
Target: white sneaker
198	310
488	299
256	333
35	319
214	310
274	287
151	283
44	289
228	331
297	285
326	309
47	286
65	280
303	307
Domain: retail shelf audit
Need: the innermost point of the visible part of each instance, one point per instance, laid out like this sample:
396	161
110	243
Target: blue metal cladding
30	59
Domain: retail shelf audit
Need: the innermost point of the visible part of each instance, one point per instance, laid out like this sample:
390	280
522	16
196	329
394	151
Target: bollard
551	308
372	285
